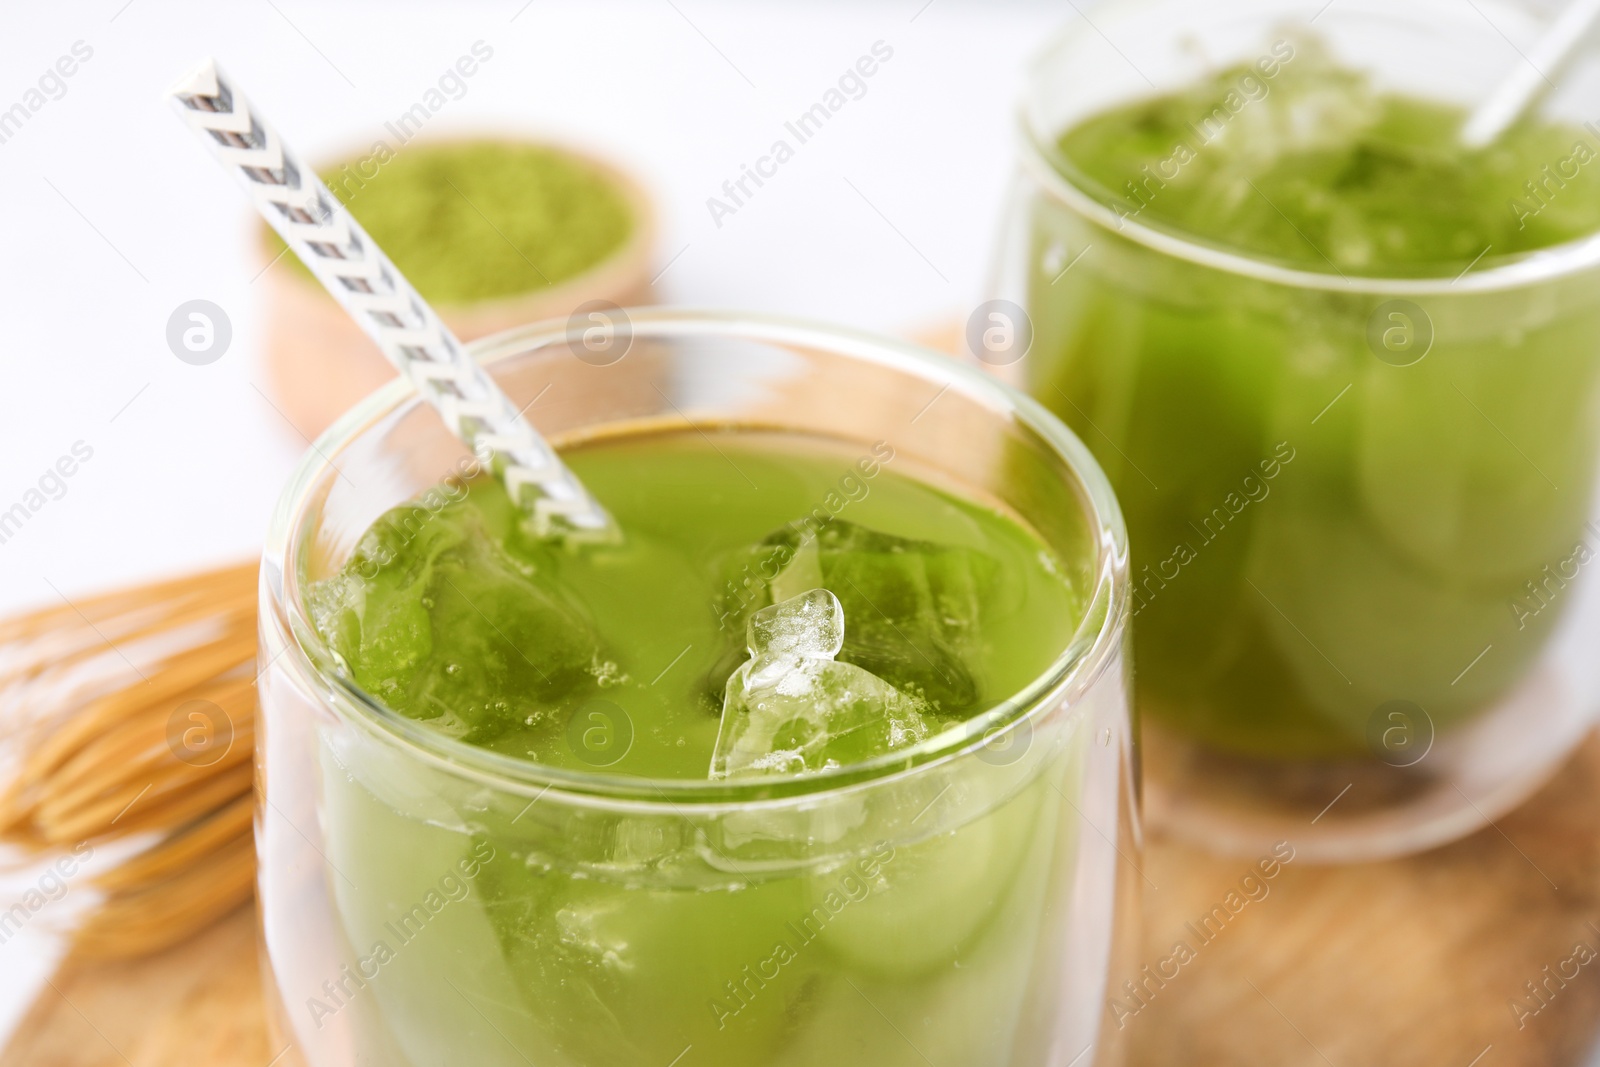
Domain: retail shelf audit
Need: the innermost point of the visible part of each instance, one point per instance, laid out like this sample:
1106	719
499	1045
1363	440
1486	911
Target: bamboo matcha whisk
132	716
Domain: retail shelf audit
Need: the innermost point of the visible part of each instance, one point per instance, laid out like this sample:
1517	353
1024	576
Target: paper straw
350	265
1530	78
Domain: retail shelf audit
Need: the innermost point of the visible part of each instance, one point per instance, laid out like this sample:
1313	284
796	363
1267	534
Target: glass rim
1069	676
1038	161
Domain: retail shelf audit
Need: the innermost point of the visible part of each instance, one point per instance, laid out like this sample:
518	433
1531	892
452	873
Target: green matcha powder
467	221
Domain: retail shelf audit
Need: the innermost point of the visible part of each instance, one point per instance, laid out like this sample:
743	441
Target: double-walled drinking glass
961	904
1361	508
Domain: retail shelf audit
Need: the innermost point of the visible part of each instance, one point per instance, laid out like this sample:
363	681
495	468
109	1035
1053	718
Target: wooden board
1408	962
199	1004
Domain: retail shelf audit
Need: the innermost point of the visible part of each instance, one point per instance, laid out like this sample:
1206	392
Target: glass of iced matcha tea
1343	372
826	761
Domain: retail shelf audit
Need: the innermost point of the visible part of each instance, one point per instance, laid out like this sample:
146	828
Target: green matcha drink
809	850
1339	495
634	657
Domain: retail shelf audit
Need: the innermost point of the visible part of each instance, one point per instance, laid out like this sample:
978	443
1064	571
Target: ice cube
439	618
792	707
810	625
914	606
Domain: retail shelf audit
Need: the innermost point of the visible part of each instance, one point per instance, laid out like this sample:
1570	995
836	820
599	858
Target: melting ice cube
792	707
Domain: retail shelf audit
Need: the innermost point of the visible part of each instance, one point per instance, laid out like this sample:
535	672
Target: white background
113	217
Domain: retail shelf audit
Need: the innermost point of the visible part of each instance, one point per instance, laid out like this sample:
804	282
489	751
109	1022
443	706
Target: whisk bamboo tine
146	808
151	780
57	660
140	758
191	844
182	673
104	605
122	651
230	690
136	923
141	742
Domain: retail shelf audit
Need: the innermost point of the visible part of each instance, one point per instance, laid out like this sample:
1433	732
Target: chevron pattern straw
350	265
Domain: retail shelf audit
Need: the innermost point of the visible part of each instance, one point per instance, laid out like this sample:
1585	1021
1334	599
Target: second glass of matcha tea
1343	368
824	760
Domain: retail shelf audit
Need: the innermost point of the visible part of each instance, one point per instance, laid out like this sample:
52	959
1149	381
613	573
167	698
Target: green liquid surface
454	616
1335	501
1314	168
